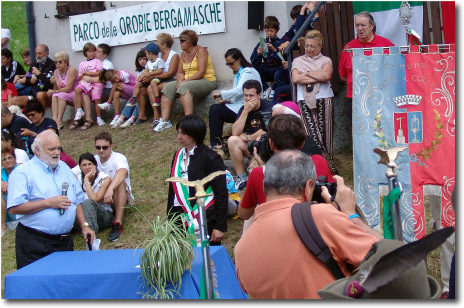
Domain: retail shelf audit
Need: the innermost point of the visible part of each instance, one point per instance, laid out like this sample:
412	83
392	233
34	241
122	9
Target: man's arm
57	202
239	124
80	217
119	177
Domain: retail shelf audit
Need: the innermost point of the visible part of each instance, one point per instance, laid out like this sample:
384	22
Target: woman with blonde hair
65	81
195	79
311	73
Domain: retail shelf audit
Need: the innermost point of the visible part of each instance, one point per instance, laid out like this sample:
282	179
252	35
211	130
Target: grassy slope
14	18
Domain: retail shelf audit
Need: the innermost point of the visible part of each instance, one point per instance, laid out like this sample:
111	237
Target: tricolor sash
182	192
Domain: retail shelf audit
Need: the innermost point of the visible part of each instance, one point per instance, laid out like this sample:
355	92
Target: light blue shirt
236	93
33	181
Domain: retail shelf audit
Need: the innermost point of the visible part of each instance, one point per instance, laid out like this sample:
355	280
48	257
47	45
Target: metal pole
205	249
31	28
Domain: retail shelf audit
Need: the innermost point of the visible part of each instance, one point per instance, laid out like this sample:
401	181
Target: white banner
142	23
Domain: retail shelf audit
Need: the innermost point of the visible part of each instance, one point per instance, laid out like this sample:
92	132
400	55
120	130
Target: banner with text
142	23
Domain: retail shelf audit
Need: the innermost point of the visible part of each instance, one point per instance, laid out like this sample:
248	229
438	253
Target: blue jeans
23	89
129	111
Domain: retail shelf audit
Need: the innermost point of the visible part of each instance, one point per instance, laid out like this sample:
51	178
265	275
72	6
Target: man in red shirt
286	132
365	38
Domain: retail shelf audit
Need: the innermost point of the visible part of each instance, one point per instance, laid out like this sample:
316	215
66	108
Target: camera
262	146
322	181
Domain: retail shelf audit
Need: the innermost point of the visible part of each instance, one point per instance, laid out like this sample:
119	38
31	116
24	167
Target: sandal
86	125
75	124
61	126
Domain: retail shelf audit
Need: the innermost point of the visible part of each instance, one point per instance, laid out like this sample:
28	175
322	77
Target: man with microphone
46	197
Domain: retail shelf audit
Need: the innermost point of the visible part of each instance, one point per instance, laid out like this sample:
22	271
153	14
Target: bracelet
354	216
88	183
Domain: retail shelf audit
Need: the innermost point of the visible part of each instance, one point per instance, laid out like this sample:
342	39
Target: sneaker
127	123
100	122
132	101
155	104
117	123
271	94
155	122
240	184
116	117
105	106
79	114
162	125
116	231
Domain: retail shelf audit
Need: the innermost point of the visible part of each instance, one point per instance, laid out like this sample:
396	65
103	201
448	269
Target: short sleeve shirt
258	119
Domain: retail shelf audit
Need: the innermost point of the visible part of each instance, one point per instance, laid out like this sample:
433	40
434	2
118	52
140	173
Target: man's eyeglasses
182	41
231	63
104	148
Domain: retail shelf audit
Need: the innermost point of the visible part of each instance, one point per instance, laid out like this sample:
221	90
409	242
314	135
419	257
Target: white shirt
112	165
108	65
21	156
154	65
97	184
168	61
6	33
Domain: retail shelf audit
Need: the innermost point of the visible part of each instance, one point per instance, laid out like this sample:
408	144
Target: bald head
41	53
6	116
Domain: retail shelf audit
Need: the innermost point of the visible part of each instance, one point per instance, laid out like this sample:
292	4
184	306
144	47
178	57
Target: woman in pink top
65	81
123	87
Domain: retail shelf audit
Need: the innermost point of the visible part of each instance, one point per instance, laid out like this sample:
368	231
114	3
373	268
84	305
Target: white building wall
55	33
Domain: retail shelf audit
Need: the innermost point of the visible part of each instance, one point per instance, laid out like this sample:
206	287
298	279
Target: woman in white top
10	138
171	60
94	184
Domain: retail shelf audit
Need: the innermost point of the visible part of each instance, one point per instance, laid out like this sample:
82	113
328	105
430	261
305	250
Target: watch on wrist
85	224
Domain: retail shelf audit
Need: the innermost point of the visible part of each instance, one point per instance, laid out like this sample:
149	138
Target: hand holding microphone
64	192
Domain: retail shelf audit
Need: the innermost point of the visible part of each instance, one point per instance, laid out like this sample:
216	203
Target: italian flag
387	18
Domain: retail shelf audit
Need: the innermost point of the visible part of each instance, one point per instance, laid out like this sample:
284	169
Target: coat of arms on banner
405	99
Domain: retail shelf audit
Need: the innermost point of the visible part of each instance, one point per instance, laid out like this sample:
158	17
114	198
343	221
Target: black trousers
32	245
218	115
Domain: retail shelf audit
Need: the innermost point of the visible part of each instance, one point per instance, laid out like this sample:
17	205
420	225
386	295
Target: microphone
64	192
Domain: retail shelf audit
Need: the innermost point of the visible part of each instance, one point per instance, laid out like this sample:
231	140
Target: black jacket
46	72
204	162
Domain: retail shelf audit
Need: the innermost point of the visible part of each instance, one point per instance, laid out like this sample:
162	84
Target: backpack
310	236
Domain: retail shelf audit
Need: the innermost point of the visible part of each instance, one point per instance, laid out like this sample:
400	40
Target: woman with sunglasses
8	164
94	184
39	123
195	79
230	101
65	81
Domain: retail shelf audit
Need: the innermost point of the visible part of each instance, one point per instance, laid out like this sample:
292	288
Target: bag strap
310	236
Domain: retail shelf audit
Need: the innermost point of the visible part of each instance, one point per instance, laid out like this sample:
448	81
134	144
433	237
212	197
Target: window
69	8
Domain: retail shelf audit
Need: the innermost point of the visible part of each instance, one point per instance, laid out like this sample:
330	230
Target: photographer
271	260
285	132
249	125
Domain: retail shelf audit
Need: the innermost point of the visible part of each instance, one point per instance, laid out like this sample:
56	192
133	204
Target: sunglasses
231	63
182	41
104	148
58	62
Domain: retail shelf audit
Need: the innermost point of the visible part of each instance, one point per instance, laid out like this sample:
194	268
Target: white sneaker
271	94
127	123
79	115
100	122
155	122
162	125
156	104
117	123
116	117
105	106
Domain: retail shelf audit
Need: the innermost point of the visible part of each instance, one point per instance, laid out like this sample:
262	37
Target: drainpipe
31	28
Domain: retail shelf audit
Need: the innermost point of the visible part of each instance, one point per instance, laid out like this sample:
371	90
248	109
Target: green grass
14	18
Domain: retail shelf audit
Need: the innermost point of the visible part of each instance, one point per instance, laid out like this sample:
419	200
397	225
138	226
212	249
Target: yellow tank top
192	67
